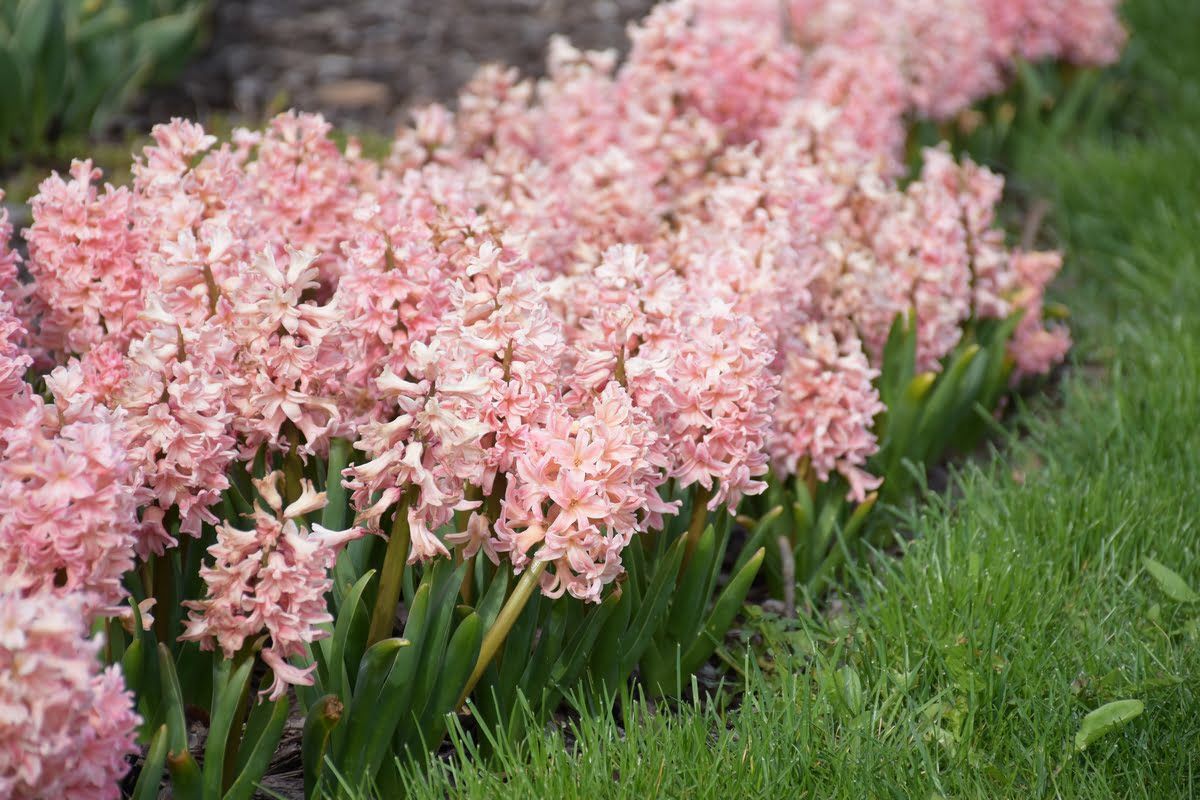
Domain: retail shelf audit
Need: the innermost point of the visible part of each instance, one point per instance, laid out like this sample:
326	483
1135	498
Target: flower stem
696	526
391	576
293	467
503	624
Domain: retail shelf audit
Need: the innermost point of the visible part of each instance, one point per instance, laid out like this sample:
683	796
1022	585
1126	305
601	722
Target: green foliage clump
67	66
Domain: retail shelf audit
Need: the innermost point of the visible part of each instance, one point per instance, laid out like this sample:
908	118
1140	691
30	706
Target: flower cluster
270	580
585	484
68	510
67	727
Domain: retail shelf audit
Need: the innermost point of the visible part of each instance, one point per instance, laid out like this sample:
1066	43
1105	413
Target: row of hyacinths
541	320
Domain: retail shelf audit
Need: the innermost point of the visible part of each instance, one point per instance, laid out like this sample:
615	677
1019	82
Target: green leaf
604	660
649	616
12	93
688	603
574	656
323	717
157	39
172	696
378	718
762	529
257	725
186	780
850	692
146	787
133	665
341	633
261	750
33	21
460	658
229	692
1105	719
1172	584
726	608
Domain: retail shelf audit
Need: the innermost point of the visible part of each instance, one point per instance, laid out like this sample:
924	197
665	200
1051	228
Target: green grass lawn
965	668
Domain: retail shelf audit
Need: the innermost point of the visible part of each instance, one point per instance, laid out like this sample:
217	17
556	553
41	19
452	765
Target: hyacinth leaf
574	657
858	518
688	601
461	654
724	611
257	724
651	609
31	26
172	696
11	94
321	720
133	666
372	675
446	580
50	72
1106	719
902	416
230	683
535	678
498	689
604	660
940	435
826	528
187	783
259	750
763	528
377	719
341	633
395	701
899	360
146	787
1170	582
490	604
724	522
937	413
635	568
995	338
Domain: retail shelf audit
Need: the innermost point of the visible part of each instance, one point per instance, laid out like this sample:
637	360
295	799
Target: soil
362	63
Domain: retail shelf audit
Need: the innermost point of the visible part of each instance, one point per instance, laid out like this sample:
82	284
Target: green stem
293	468
696	526
334	515
391	576
165	597
503	624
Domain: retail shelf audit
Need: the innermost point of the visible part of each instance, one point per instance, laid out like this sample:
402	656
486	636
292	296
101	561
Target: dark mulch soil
363	62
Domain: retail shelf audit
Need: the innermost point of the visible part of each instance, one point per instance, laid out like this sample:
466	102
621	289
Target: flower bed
472	423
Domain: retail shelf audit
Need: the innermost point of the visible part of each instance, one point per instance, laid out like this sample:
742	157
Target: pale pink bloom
287	361
826	410
9	257
585	485
1035	346
83	260
67	503
1083	31
725	395
67	727
16	396
271	579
